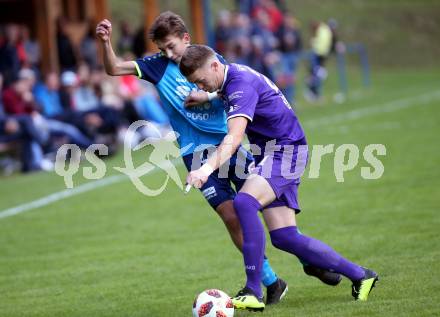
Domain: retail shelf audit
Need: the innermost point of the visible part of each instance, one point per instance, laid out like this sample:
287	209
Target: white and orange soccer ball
213	303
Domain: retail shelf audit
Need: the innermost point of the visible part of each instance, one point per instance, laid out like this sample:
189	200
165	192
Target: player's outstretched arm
112	65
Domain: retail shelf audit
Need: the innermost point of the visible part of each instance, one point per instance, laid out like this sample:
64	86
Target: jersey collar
224	78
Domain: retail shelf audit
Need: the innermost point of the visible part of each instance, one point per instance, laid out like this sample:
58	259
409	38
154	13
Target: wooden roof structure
41	17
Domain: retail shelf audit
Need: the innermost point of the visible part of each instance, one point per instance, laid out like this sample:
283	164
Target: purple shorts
282	169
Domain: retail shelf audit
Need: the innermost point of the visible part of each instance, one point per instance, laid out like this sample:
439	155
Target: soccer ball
213	303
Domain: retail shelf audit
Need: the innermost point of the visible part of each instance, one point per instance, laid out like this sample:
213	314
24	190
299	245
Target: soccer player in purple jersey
256	106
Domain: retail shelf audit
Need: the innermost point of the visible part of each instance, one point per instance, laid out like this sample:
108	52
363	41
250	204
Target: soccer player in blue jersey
256	106
196	127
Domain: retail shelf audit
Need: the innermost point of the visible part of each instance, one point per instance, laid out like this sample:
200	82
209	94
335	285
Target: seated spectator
48	98
79	94
20	129
18	99
222	31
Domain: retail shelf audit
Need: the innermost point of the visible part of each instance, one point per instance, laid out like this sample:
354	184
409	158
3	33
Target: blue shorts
218	188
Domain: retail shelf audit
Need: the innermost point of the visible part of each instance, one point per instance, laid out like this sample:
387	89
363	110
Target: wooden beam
198	28
45	17
101	11
151	11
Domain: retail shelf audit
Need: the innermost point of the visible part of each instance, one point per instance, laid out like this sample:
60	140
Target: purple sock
247	208
314	252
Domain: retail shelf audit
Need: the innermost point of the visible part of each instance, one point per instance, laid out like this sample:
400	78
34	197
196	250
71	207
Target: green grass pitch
114	252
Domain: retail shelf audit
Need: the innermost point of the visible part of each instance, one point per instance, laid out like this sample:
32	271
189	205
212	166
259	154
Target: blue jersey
203	124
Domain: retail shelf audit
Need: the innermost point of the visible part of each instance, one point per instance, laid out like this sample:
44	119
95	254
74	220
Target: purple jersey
252	95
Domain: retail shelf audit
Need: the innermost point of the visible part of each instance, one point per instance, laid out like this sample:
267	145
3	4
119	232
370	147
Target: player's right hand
104	30
196	98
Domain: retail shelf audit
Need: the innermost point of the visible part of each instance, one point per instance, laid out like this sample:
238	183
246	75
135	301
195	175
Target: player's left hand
196	98
196	178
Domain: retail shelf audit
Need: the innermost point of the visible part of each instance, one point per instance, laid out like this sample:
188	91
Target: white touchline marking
61	195
69	193
340	117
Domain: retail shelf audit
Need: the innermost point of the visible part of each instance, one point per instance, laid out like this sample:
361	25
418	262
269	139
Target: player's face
173	46
206	77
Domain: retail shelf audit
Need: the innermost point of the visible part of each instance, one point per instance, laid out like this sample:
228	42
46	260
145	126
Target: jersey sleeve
241	99
151	68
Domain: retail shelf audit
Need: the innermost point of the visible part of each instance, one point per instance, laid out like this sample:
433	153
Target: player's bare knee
226	211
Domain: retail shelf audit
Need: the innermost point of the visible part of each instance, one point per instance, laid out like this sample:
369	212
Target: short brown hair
195	56
167	23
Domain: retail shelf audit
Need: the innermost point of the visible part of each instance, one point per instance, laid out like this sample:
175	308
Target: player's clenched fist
197	178
104	30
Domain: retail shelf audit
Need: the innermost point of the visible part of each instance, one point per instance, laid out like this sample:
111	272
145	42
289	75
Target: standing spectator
66	52
9	58
337	45
139	42
31	48
125	42
273	13
88	47
321	43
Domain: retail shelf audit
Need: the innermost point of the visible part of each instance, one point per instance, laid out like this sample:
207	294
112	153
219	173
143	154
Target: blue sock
268	276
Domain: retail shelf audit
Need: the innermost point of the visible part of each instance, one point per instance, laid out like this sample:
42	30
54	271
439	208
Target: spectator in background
66	53
84	97
289	35
48	97
125	42
222	31
9	57
18	99
241	26
321	44
337	46
246	6
99	119
88	47
257	55
261	27
148	107
272	14
31	48
21	129
139	42
279	71
290	45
